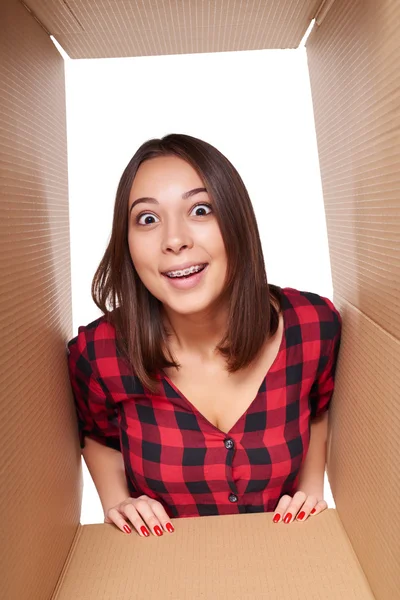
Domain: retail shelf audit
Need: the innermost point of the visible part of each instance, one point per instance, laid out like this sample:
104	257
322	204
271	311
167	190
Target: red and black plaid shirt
174	454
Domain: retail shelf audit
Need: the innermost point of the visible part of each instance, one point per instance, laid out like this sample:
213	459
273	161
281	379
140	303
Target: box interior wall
352	551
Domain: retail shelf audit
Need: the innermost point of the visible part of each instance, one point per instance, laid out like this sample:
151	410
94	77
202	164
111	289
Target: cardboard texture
352	551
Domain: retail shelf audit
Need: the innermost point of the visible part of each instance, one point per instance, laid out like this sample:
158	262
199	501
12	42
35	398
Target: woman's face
168	230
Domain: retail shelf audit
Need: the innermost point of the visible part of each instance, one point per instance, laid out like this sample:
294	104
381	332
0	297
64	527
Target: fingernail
169	527
277	517
301	515
145	531
287	518
313	511
127	529
157	530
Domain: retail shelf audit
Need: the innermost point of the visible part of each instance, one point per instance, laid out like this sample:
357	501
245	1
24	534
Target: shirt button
229	443
232	498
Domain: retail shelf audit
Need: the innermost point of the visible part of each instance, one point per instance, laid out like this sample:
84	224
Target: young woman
202	390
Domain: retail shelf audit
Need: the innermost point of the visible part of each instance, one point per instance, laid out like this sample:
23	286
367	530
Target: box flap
354	59
40	500
235	556
111	29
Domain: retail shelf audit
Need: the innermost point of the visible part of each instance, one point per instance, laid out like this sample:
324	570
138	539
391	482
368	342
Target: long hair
135	313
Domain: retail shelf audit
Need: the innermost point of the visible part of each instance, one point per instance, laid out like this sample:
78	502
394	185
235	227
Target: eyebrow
186	195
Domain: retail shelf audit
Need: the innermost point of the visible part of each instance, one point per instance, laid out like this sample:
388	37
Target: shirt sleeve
97	418
323	386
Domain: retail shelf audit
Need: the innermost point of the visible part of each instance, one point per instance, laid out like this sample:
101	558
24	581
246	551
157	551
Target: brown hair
135	313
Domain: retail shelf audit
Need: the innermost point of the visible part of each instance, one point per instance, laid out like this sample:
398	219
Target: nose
177	238
176	248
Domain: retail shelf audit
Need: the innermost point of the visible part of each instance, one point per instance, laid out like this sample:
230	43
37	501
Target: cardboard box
352	551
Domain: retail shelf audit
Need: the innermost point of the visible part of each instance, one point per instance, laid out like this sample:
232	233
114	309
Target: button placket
229	445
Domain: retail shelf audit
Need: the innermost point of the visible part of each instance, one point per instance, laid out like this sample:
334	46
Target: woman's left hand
290	509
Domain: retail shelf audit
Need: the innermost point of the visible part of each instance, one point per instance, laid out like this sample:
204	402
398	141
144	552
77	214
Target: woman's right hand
145	514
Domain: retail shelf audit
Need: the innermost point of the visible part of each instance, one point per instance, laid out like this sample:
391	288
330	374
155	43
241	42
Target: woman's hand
140	511
288	507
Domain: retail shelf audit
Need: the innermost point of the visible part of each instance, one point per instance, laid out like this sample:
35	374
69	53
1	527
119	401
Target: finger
297	502
307	507
161	515
283	504
145	511
319	507
115	516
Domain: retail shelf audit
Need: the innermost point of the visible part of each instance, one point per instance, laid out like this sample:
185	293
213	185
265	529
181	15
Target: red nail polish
313	511
277	517
287	518
157	530
301	515
145	531
127	529
169	527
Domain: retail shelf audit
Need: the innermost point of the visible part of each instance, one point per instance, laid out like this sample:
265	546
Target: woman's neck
197	333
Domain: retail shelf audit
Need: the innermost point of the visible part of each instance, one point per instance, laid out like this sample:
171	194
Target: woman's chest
219	396
171	447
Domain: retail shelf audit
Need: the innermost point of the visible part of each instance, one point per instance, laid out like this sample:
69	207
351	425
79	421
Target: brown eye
201	204
142	218
147	215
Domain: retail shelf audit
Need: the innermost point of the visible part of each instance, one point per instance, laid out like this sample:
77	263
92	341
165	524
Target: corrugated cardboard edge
67	563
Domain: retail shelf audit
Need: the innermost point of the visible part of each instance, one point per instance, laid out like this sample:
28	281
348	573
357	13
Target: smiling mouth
187	282
184	274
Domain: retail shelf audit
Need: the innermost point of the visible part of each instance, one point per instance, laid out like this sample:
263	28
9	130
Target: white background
254	106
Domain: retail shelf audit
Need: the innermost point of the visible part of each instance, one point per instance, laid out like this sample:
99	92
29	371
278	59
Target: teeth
187	271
